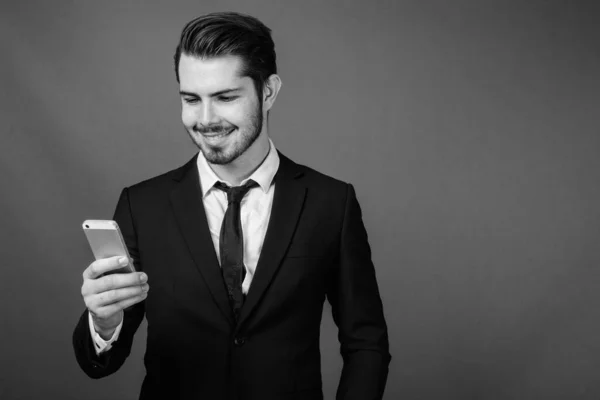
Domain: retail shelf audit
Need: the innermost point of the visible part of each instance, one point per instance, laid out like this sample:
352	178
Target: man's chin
218	156
218	160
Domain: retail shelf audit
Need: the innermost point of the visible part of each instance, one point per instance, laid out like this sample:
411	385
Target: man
241	246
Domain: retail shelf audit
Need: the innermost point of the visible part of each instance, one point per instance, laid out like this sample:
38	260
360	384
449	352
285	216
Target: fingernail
145	288
143	278
123	261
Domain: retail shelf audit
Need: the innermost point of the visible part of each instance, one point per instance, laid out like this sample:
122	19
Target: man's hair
230	33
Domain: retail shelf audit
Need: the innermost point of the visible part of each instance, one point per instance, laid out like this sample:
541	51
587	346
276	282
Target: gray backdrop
469	129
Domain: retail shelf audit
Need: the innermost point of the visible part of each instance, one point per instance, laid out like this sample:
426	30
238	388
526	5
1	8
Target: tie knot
235	194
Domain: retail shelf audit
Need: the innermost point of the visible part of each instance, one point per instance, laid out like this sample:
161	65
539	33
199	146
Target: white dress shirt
254	215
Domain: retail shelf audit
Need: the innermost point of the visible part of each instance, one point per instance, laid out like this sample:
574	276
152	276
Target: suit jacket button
239	341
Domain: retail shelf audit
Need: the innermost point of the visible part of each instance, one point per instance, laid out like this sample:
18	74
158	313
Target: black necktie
231	244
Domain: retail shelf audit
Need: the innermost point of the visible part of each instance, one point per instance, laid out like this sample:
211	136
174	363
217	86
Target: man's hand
107	296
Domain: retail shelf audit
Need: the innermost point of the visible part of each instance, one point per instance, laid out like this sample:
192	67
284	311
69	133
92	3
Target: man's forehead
211	71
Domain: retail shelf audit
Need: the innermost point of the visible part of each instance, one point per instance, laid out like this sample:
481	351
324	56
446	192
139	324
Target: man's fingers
117	281
106	283
118	295
99	267
114	308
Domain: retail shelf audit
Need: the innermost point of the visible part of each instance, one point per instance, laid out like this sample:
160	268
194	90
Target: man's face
220	109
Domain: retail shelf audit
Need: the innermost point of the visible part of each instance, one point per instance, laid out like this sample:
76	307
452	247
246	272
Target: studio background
469	129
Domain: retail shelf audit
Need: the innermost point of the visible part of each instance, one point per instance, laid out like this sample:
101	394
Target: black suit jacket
315	248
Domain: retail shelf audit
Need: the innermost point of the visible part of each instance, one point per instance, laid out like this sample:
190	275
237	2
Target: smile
218	135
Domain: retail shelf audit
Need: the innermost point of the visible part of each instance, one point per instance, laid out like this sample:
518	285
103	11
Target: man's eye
190	100
227	99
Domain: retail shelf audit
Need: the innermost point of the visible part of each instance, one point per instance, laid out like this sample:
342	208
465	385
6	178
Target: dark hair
231	33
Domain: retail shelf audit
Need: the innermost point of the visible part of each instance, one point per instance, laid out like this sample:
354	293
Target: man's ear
270	90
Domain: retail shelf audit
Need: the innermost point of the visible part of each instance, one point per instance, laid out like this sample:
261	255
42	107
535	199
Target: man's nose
208	115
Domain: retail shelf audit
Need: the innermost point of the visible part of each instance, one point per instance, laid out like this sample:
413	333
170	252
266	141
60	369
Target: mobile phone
106	240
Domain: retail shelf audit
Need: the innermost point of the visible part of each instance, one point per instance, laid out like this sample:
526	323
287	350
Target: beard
225	154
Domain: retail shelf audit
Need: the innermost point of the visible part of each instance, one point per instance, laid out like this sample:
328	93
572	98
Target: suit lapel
286	209
188	208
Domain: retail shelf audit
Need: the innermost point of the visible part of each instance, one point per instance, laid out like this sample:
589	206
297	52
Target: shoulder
318	181
164	182
321	180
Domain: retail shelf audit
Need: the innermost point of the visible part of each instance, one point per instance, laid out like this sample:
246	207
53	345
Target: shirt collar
263	175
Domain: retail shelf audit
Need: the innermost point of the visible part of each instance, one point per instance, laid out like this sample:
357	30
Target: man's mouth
218	135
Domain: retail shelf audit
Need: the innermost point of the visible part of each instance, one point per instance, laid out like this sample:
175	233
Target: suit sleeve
103	364
358	311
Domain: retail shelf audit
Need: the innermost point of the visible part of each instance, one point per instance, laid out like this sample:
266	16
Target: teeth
220	135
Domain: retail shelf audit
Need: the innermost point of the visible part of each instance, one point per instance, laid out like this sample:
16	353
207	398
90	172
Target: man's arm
100	344
105	363
358	312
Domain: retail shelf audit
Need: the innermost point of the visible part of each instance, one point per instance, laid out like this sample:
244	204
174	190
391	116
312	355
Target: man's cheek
187	117
235	115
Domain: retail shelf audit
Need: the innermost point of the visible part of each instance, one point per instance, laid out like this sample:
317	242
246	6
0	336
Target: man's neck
245	165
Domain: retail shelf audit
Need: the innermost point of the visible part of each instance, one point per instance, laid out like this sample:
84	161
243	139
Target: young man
241	247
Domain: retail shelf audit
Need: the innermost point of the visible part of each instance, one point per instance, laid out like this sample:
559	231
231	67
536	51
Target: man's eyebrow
215	94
